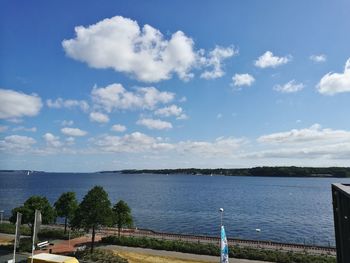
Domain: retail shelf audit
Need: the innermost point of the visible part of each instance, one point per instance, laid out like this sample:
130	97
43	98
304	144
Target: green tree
122	215
94	211
65	206
33	203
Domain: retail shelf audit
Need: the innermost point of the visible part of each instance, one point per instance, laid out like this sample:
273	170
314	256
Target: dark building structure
341	210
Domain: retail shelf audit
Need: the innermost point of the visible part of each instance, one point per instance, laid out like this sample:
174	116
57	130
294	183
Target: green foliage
65	206
213	250
122	215
285	171
94	211
45	233
100	255
28	211
8	228
49	233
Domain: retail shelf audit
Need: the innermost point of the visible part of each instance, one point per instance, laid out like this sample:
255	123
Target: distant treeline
285	171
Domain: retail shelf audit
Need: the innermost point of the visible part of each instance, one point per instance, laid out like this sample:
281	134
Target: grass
134	257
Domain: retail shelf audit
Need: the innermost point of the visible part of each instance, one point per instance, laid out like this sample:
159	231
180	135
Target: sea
293	210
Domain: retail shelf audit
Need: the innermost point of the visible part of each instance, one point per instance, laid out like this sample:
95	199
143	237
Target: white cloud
135	142
99	117
3	128
221	146
215	60
183	116
318	58
269	60
315	133
15	104
289	87
243	80
52	140
155	124
67	123
76	132
22	128
168	111
333	83
16	144
121	44
138	143
69	104
118	128
115	96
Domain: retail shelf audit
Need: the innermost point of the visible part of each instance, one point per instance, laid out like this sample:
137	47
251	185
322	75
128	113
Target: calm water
285	209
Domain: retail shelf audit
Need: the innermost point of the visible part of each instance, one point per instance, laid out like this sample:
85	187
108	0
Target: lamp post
1	215
221	210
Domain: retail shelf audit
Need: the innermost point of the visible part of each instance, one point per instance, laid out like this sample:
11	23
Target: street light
221	210
1	215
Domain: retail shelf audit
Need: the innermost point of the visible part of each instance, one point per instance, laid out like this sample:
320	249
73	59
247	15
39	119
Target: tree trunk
119	231
65	225
92	239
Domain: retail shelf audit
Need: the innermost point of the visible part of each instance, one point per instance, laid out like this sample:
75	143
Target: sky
88	86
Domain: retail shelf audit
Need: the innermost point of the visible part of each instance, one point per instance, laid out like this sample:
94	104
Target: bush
9	228
100	255
213	250
50	233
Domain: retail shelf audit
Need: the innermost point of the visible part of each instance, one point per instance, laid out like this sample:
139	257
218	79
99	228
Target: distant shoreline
265	171
281	171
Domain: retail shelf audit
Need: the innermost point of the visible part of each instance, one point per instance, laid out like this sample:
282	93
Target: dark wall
341	210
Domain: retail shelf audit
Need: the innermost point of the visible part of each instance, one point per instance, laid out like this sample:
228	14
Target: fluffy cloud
75	132
243	80
69	104
215	61
118	128
289	87
16	144
135	142
171	110
333	83
318	58
155	124
115	96
15	104
121	44
314	134
99	117
269	60
52	140
221	146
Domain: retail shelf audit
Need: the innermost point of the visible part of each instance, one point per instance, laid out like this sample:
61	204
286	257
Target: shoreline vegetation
263	171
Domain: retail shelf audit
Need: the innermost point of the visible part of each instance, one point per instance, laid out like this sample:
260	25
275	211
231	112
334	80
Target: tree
94	211
28	211
65	206
122	215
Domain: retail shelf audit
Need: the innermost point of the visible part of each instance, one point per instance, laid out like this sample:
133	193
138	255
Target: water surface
285	209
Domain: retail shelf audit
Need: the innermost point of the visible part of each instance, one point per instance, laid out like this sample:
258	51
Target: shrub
213	250
9	228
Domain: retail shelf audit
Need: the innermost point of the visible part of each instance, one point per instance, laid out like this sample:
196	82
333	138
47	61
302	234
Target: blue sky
86	86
